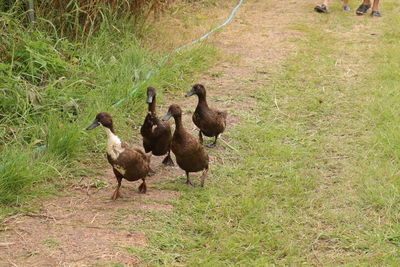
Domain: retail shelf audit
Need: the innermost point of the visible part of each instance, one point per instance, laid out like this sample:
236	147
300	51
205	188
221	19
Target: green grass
51	89
317	180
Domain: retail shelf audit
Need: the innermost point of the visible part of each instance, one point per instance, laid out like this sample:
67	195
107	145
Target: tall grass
77	19
51	88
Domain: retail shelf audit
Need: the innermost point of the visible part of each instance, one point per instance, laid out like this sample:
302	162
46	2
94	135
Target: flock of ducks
133	164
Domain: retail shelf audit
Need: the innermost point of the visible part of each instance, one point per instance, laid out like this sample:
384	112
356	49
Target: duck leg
117	194
143	187
203	176
201	137
188	182
168	160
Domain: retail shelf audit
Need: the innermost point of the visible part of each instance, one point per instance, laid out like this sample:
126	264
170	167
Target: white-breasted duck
211	122
190	154
129	163
156	133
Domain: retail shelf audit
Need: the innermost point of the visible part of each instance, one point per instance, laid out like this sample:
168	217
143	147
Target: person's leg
345	5
375	6
375	9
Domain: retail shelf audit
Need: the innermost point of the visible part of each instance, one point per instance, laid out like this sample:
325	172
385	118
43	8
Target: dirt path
85	227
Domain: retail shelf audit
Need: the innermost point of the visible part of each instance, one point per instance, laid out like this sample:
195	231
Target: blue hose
148	75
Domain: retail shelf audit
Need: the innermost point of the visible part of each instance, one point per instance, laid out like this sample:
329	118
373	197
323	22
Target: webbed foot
168	161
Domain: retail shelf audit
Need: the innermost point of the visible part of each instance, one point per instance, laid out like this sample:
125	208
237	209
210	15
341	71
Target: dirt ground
82	228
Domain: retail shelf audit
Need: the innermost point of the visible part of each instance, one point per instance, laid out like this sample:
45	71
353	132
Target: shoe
362	9
376	13
346	8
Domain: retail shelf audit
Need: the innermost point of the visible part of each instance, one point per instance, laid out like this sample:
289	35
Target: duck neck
178	123
110	129
202	100
110	132
152	105
114	144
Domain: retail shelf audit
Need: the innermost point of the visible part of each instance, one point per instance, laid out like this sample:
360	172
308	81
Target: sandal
345	8
362	9
321	8
376	14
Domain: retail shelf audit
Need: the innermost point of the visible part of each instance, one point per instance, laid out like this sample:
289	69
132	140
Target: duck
190	154
131	164
156	133
211	122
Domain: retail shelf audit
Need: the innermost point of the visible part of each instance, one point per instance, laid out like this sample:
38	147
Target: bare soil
84	227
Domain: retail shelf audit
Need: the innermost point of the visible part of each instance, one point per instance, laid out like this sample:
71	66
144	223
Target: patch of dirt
85	226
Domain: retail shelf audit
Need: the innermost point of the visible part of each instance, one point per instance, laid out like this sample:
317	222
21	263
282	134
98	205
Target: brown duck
211	122
156	133
129	163
190	154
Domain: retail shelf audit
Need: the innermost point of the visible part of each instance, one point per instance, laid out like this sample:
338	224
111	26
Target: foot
362	9
168	161
189	183
321	8
345	8
116	195
376	13
211	145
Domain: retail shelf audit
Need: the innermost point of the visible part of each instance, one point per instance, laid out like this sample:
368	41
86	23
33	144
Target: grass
316	180
52	88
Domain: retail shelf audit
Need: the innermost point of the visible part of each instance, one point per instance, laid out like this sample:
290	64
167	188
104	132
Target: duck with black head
211	122
190	154
129	163
156	133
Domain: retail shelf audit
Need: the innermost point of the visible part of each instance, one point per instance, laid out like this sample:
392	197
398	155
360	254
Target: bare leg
375	6
200	137
203	176
367	2
168	160
117	194
143	187
345	5
188	182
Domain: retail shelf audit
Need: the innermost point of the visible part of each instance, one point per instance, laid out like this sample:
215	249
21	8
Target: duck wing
190	154
210	121
133	164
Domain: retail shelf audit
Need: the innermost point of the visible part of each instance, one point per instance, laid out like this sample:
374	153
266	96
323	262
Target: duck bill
93	125
190	93
167	117
149	99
